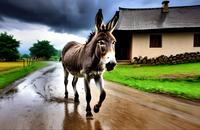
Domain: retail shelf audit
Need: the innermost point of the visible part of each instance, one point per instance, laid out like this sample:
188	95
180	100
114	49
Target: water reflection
97	125
75	120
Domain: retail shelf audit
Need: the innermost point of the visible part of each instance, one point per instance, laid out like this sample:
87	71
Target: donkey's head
105	41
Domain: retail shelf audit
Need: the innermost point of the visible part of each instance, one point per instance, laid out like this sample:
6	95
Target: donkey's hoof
89	115
96	109
76	100
66	95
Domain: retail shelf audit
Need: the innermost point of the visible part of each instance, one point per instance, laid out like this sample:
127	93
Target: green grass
7	77
181	80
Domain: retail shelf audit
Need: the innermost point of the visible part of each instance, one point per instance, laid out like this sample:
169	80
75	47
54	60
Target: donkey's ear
99	19
113	22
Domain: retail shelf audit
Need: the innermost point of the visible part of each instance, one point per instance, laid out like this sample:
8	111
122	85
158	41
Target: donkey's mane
90	37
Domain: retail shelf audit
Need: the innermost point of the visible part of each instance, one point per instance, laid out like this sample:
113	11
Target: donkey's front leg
99	82
88	97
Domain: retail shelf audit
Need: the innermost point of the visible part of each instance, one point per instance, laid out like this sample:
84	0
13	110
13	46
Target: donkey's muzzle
110	66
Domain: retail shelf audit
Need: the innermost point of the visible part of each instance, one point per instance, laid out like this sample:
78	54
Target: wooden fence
28	61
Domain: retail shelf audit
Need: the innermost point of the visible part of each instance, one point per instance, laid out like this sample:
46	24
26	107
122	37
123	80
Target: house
153	32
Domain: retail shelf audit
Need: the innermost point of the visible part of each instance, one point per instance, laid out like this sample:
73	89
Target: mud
37	103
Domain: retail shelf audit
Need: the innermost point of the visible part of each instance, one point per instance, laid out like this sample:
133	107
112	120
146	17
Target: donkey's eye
101	42
113	42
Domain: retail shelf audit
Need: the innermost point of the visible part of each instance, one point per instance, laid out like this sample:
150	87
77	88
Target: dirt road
37	103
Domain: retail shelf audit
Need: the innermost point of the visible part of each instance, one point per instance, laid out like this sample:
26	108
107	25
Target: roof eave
185	29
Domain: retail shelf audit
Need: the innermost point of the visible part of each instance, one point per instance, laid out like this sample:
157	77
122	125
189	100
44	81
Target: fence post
29	60
23	60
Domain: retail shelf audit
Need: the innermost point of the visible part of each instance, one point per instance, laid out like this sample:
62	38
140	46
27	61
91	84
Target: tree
42	49
8	45
25	56
56	57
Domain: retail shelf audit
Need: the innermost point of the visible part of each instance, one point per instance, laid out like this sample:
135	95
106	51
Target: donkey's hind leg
66	82
99	83
74	81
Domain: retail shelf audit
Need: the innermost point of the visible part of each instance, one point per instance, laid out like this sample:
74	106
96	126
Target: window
197	40
155	41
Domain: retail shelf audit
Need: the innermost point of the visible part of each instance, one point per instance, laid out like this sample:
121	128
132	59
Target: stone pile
172	59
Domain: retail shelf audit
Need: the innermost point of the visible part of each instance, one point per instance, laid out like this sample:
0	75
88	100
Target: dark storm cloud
60	15
72	15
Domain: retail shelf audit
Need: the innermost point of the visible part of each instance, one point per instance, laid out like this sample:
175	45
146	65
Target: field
5	66
181	80
11	71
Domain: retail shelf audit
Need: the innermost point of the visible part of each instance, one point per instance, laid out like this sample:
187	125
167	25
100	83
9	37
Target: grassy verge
181	80
9	76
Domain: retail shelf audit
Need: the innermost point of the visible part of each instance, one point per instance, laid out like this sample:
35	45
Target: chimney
165	8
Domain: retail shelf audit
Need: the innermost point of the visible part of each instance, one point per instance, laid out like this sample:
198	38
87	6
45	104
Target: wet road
37	103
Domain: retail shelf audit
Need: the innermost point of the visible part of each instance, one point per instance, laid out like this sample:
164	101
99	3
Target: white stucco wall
172	43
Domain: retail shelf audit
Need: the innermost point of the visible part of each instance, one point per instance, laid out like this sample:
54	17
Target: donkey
91	59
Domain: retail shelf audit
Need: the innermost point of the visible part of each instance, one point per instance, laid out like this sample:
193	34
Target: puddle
12	91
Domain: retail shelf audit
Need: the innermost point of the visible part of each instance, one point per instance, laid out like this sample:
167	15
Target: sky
61	21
